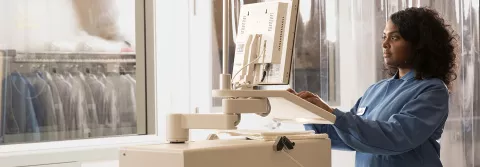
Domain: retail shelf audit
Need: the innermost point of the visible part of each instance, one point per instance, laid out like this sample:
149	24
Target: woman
398	121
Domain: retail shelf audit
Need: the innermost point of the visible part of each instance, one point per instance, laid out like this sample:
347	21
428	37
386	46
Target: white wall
173	74
200	51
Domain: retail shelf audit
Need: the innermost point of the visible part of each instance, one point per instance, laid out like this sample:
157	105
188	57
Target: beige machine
262	57
228	153
250	148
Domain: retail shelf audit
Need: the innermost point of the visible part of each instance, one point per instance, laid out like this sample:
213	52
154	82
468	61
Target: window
316	50
70	69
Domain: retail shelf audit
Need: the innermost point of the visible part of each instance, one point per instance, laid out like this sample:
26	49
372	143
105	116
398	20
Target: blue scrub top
396	123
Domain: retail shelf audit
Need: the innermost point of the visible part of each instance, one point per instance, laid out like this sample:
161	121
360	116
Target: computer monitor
265	43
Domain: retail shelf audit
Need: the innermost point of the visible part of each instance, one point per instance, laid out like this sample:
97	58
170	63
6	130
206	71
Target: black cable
264	74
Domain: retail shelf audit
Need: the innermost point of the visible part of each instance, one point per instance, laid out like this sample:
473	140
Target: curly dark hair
434	43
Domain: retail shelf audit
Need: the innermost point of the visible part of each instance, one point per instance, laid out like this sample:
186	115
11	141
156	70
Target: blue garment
396	123
38	106
44	106
20	123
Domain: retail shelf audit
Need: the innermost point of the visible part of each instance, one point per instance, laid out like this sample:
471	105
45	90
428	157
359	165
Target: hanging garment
126	90
112	119
37	104
78	107
20	123
131	78
91	112
132	102
58	106
124	106
64	91
48	129
98	92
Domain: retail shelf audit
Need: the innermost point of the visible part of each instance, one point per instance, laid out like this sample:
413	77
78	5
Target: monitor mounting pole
225	77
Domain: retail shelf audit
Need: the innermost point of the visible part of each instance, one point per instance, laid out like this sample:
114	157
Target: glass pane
315	68
67	69
461	136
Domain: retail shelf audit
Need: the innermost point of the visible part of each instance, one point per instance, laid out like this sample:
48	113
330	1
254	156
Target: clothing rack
124	62
23	60
78	53
72	57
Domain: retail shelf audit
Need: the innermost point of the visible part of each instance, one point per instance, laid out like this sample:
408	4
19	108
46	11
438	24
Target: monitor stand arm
278	105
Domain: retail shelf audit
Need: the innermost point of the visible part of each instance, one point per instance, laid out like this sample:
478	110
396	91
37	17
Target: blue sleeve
404	131
337	142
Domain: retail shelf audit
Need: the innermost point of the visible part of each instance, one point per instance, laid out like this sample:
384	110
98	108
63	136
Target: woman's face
395	49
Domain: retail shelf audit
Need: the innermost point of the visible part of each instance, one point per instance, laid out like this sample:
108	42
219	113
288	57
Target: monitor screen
264	43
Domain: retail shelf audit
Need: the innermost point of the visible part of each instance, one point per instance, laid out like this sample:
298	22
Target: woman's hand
312	98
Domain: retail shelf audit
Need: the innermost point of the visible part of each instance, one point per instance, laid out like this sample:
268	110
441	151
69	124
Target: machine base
228	153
